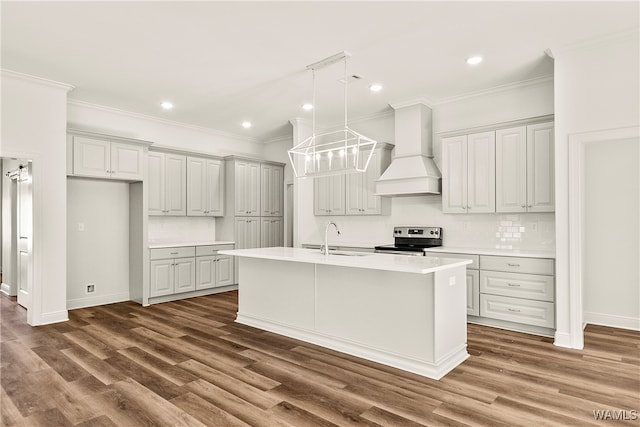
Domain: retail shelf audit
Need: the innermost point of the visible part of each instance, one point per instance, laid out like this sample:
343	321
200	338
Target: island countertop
387	262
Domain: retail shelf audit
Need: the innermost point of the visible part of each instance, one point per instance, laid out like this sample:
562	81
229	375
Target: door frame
577	146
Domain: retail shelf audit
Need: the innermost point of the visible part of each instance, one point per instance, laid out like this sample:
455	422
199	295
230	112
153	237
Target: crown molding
427	102
594	41
496	89
84	104
37	80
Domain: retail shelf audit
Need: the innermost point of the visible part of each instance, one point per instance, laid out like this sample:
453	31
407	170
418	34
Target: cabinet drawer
475	259
530	286
538	313
168	253
517	264
211	249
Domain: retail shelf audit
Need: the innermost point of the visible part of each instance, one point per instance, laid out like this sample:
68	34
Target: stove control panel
418	232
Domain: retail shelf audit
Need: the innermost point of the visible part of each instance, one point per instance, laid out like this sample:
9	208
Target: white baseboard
562	339
53	317
5	289
435	370
612	321
97	300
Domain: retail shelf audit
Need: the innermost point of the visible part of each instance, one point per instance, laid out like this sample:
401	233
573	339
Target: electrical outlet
81	226
91	288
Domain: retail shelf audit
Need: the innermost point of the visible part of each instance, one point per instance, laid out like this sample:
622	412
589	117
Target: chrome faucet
325	248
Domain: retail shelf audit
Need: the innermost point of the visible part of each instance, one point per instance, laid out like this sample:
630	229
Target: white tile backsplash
181	229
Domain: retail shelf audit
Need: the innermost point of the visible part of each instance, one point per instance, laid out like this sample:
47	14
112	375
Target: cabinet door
266	192
175	185
454	174
224	270
161	277
353	196
473	292
277	232
214	187
372	204
481	172
247	233
156	185
205	272
266	235
253	233
247	176
277	191
185	275
196	194
540	168
126	161
321	195
337	203
91	157
511	170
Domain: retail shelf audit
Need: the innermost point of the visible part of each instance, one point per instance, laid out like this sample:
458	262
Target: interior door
25	234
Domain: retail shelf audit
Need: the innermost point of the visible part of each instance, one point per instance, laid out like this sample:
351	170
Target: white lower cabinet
518	289
189	268
212	269
271	232
247	232
172	271
473	280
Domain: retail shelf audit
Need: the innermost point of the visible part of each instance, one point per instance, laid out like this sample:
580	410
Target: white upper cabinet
167	184
525	169
468	181
540	168
205	187
247	188
272	192
361	188
329	195
101	158
354	193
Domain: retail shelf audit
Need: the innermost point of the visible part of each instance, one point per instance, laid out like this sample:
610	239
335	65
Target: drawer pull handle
513	264
513	285
514	310
175	253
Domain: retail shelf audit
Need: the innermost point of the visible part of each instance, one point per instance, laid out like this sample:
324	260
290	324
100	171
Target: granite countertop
365	260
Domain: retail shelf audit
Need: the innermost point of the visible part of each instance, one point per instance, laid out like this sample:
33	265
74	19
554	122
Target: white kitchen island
408	312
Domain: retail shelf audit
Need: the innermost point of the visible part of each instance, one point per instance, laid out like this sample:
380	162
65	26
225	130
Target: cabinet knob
523	206
529	206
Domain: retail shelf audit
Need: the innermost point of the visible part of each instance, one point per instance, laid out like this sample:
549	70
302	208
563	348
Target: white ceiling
224	62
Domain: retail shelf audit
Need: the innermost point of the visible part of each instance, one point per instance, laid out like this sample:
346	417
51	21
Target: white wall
161	132
181	229
469	230
99	254
611	278
34	117
596	88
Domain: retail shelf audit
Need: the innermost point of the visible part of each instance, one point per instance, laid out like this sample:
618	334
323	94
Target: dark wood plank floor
187	363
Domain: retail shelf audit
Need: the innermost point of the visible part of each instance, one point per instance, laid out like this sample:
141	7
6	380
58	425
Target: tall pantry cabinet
255	197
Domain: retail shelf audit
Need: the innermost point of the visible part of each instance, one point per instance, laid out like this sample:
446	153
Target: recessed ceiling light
376	87
246	125
474	60
167	105
307	107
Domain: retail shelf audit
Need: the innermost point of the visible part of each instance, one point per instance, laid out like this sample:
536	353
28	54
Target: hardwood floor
188	363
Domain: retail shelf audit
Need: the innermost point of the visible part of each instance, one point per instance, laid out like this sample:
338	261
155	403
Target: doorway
17	229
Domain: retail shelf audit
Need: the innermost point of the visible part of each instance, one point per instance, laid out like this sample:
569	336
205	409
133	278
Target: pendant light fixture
331	153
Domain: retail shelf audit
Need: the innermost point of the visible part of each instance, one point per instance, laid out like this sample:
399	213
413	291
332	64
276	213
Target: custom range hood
412	170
